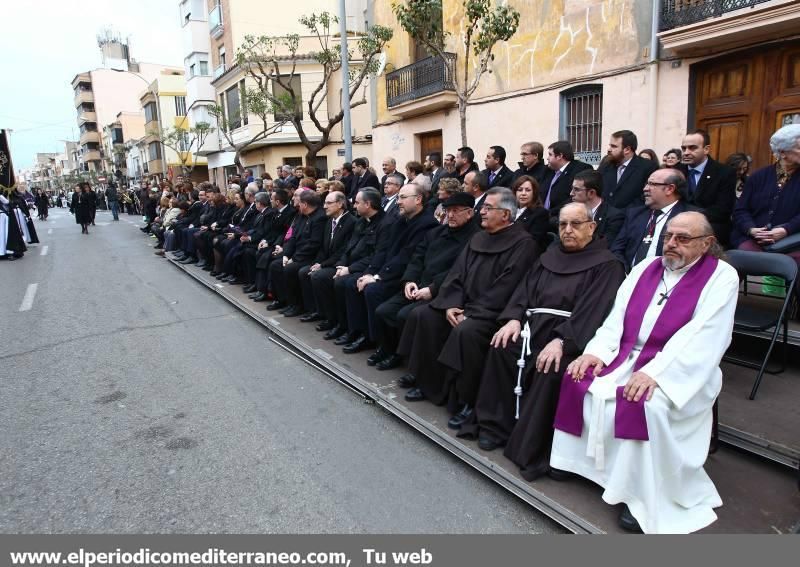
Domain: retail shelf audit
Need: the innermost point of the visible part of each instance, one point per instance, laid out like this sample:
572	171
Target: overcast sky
45	43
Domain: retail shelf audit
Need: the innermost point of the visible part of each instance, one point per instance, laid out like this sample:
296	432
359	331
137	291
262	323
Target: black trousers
391	317
285	282
247	262
306	277
323	287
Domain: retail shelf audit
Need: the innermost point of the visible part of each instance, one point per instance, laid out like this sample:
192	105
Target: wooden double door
741	99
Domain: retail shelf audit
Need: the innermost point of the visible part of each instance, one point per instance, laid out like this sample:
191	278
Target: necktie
384	200
644	247
550	189
692	182
333	226
492	175
620	171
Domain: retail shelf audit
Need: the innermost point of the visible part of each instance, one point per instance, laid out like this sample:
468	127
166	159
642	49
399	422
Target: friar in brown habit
446	341
563	299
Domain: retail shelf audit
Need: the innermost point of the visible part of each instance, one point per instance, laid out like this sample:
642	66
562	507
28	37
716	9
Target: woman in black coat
42	205
82	207
531	214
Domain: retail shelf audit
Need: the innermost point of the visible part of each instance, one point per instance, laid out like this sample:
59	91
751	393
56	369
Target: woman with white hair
769	209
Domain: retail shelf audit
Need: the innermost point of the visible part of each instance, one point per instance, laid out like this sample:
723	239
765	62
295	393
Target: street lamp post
345	56
158	117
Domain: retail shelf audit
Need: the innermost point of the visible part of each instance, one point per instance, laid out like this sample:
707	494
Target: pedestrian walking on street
92	203
82	208
111	196
42	205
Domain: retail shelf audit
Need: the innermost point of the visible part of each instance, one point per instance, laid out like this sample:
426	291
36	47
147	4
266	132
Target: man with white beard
635	409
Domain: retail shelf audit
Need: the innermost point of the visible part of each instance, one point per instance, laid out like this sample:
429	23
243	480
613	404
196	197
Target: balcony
215	22
91	155
86	116
89	136
422	87
83	96
700	27
218	72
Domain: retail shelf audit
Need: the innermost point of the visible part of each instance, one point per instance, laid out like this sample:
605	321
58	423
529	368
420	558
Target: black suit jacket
629	191
279	223
259	228
440	174
536	222
369	179
539	172
559	193
333	245
307	238
609	221
383	180
633	231
363	243
715	196
503	178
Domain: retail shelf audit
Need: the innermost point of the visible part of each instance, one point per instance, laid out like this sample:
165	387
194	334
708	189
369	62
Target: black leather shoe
458	419
222	275
233	280
627	521
311	318
415	395
377	356
361	343
201	264
346	339
407	381
391	361
325	326
486	443
293	311
259	297
285	309
188	260
207	268
276	305
559	475
249	289
336	333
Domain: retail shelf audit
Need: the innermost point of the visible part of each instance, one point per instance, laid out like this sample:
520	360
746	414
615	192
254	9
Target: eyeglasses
681	238
490	208
656	184
574	224
578	189
526	153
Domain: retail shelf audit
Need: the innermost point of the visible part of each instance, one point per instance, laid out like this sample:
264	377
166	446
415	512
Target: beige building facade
583	69
230	21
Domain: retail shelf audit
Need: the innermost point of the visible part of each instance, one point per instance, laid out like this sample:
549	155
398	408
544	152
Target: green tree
187	143
271	63
251	102
485	25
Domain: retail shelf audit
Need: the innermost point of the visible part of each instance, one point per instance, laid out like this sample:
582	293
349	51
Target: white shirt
661	222
389	202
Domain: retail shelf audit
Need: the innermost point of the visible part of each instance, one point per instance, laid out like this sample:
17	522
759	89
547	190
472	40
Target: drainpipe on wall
653	92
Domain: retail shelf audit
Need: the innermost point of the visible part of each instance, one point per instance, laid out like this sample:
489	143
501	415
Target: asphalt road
136	401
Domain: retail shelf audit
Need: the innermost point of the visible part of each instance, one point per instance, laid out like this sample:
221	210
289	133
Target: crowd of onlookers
362	253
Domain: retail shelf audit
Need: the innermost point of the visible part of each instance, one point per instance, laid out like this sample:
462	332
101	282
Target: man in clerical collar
560	304
635	409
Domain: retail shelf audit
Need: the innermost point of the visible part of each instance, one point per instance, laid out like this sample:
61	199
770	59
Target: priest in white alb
635	409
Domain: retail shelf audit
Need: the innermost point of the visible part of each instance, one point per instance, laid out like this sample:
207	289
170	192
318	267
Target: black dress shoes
336	333
188	260
460	418
486	443
415	395
391	361
407	381
293	311
249	289
325	326
559	475
346	338
361	343
311	318
201	264
208	267
627	521
258	297
377	356
275	305
221	275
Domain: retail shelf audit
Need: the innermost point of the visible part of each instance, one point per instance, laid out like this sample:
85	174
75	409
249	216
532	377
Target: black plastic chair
751	318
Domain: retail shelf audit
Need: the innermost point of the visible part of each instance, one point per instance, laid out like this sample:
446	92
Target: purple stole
629	417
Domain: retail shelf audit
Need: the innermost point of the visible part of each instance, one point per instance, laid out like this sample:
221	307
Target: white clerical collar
283	208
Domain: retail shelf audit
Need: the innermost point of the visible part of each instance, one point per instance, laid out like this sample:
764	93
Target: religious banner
7	179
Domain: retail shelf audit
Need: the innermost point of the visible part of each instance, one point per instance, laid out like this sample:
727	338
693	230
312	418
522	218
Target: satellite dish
381	64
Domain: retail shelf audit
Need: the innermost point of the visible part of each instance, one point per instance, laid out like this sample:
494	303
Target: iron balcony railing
423	78
677	13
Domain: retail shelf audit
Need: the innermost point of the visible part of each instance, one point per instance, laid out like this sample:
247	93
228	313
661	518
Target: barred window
582	121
